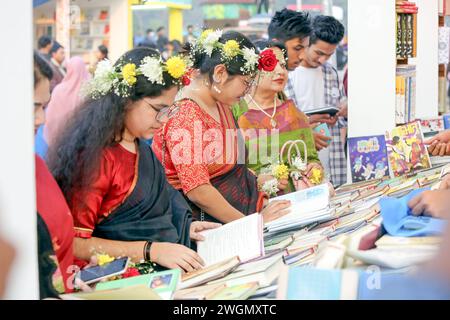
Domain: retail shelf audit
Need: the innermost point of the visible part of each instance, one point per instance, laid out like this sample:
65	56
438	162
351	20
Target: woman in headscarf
65	98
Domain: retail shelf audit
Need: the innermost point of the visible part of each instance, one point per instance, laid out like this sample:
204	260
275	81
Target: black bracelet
147	248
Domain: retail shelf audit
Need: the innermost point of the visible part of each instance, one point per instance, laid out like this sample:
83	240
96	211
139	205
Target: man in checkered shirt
315	84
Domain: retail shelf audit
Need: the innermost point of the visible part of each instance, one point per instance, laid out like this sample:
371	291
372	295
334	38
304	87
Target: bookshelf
94	30
373	63
406	49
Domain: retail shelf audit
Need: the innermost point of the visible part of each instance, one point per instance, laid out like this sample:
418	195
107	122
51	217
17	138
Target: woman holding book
269	121
198	146
116	189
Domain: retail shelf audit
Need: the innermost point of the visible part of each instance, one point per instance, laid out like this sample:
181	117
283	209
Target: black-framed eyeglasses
165	113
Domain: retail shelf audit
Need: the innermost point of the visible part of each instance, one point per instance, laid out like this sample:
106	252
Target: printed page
243	238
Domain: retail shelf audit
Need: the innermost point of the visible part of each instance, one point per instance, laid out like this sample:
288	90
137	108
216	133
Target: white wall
17	185
372	63
427	59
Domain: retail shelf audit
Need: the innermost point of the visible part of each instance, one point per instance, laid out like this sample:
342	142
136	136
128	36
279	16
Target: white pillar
63	24
17	183
427	86
371	66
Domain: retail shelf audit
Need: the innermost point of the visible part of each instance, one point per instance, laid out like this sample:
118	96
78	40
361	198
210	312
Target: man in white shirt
315	84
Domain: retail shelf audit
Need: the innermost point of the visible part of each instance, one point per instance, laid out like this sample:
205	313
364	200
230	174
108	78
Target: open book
308	206
242	238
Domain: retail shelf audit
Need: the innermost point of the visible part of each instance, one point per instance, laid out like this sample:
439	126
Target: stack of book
406	29
405	92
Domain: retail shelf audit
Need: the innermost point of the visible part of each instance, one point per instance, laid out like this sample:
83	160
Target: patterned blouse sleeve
185	151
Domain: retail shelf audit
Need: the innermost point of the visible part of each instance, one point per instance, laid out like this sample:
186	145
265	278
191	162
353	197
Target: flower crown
122	79
208	41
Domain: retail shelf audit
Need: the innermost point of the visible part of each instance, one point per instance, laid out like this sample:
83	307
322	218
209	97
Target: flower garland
208	41
122	79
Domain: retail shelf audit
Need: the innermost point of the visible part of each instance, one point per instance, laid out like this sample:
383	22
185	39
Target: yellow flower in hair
231	48
316	175
280	171
176	67
104	259
129	73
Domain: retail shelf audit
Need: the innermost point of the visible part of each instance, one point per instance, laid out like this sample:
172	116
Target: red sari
52	208
195	150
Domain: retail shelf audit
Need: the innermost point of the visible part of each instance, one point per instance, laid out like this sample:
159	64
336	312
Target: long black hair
74	159
206	64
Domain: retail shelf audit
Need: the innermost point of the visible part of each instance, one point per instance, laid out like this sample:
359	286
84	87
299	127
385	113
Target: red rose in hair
267	60
186	78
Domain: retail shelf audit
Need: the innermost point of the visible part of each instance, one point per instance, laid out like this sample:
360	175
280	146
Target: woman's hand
282	183
198	226
435	203
439	144
275	210
175	256
443	136
79	284
311	166
437	148
445	182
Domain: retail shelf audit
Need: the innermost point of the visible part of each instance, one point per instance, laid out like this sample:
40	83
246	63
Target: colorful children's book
163	283
368	158
406	150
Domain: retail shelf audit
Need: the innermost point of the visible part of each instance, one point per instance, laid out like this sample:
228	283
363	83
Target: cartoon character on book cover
368	158
406	150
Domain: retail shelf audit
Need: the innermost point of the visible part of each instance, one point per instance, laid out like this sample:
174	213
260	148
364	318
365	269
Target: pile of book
405	93
318	257
406	29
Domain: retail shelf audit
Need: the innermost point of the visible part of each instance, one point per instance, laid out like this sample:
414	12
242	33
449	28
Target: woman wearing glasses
198	146
115	187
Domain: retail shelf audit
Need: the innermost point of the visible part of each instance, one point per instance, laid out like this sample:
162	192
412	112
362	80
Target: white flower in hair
103	77
210	41
151	68
251	59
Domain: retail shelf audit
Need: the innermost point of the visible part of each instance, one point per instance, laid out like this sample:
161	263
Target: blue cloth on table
399	221
40	145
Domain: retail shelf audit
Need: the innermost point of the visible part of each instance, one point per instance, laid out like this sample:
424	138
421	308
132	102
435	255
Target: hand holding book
275	210
198	226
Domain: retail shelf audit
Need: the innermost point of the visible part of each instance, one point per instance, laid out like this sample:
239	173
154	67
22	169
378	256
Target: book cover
446	118
165	283
122	283
444	45
305	283
368	158
406	150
